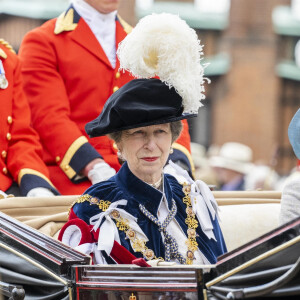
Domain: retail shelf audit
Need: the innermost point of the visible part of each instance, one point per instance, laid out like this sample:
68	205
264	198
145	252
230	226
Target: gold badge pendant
132	297
3	80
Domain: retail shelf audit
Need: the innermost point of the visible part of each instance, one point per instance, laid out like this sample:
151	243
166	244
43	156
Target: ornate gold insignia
139	245
132	297
190	255
65	22
122	224
192	245
83	198
186	188
130	233
104	205
191	232
149	254
189	211
191	222
115	214
8	46
94	200
192	225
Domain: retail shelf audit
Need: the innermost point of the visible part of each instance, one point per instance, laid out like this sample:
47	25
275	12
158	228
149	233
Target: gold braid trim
192	225
138	245
7	45
125	25
102	204
65	22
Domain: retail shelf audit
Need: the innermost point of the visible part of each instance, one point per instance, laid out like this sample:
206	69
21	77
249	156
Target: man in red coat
22	171
70	69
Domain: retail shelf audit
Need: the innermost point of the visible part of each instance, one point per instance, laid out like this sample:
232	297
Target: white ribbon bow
109	231
89	248
202	201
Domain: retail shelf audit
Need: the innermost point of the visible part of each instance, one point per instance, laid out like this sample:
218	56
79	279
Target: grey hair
176	128
116	136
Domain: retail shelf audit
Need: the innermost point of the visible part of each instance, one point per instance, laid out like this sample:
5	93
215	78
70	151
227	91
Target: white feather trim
164	45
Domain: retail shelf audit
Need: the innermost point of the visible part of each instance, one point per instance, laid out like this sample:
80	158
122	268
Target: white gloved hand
2	195
168	169
160	263
40	192
100	172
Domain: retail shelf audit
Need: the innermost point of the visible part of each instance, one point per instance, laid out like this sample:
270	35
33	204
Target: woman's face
146	150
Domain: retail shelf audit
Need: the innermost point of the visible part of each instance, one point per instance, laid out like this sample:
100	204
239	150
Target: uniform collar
141	192
90	14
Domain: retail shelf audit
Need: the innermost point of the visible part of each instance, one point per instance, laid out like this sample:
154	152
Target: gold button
4	170
118	74
67	168
115	88
9	119
57	158
4	154
8	136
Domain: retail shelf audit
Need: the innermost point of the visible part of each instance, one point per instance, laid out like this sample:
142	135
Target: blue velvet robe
125	185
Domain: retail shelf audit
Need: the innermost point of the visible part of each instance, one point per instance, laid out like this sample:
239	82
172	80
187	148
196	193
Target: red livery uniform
67	79
19	145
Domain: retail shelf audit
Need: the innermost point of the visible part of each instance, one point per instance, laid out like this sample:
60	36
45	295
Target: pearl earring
171	150
120	157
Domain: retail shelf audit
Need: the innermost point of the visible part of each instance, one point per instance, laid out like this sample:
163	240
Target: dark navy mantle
125	185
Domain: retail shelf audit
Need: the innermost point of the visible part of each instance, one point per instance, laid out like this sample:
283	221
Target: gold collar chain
139	245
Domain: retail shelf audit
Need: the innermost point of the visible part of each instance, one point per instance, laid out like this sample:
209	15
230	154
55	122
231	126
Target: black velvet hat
139	103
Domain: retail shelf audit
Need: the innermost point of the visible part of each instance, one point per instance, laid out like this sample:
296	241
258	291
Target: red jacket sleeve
50	104
22	151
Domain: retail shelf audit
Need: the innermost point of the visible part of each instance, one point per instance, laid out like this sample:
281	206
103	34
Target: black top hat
139	103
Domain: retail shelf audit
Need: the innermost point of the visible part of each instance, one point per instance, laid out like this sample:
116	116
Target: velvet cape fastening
125	185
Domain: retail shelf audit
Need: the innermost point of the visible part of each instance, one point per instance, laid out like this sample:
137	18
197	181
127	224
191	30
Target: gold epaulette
8	46
125	25
65	22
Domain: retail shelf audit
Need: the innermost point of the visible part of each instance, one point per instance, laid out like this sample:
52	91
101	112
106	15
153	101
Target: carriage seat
244	215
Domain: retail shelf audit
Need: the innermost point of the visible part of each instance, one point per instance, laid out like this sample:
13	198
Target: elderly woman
148	212
141	212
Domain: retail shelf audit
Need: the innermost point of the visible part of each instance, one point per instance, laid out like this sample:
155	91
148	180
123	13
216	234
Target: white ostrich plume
164	45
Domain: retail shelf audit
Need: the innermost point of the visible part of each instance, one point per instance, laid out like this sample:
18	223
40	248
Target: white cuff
40	192
2	195
100	172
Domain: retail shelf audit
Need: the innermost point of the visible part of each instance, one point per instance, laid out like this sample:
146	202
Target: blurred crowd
231	167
